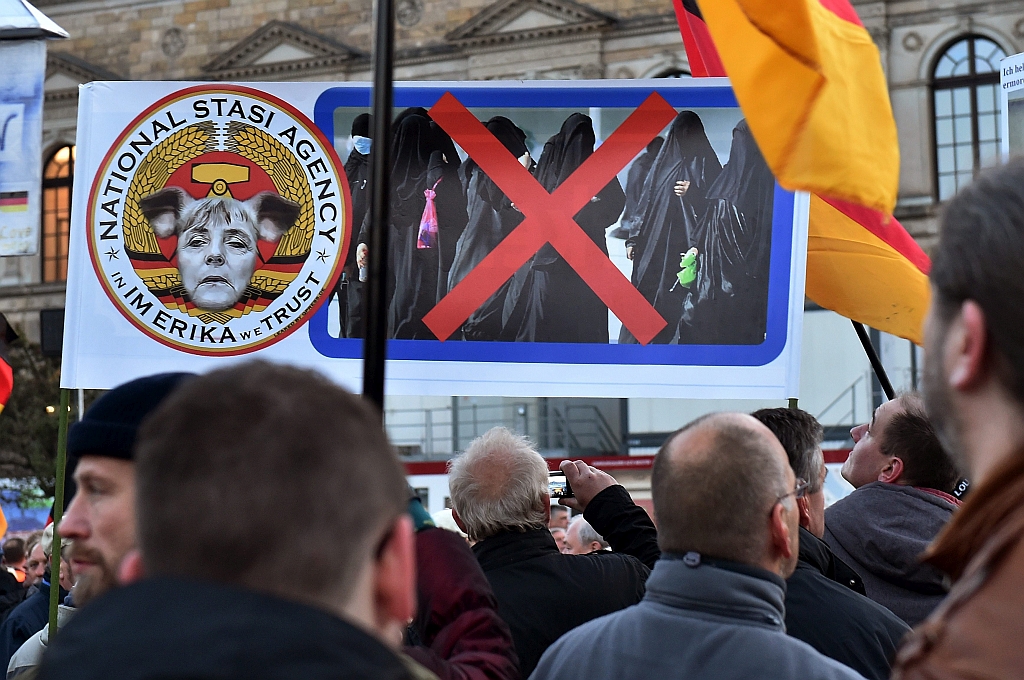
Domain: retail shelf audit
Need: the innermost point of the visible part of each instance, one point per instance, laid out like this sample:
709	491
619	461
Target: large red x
549	217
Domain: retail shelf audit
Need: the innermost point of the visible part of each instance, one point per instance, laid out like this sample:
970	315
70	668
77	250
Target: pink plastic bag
428	223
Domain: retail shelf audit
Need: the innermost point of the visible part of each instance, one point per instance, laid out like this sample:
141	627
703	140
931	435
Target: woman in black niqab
349	288
663	228
491	219
422	158
728	302
547	300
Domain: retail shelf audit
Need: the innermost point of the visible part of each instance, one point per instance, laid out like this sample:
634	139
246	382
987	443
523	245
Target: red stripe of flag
889	230
842	9
700	48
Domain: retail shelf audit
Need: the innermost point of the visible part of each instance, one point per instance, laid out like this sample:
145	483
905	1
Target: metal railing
846	399
578	429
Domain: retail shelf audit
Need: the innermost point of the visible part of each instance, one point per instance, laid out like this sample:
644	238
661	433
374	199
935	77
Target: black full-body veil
491	219
635	179
419	158
350	293
728	303
547	300
664	224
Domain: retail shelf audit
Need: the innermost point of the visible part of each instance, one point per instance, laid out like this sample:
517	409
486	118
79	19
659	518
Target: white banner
21	127
577	238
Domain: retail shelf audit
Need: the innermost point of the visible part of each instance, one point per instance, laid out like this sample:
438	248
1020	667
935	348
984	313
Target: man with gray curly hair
499	492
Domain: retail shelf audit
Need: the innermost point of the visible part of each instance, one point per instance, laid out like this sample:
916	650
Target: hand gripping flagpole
375	342
58	506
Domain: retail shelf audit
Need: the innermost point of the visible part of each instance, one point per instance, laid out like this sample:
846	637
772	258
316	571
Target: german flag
700	49
13	201
7	336
809	80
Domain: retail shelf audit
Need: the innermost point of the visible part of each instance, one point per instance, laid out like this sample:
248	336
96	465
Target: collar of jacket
749	595
510	547
815	553
991	510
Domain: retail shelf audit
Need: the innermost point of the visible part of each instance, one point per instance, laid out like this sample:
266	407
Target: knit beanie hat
112	422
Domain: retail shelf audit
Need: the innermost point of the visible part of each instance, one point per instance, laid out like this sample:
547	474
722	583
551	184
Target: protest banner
578	238
1011	100
21	124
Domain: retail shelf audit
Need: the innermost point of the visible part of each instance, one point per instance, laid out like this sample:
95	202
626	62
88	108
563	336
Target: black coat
175	628
823	607
543	594
835	620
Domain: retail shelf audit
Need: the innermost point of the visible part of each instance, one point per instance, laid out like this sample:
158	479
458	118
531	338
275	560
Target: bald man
725	498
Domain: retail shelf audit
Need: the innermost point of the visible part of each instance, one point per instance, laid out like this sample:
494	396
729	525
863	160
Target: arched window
57	178
965	90
674	73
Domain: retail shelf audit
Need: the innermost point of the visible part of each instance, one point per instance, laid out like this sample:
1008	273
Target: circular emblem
219	220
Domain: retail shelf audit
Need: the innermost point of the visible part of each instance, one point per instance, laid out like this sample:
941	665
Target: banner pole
375	342
876	363
58	506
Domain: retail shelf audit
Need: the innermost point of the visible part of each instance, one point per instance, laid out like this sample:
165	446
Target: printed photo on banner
688	221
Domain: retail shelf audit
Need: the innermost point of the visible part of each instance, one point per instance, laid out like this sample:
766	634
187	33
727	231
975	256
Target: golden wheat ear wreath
261	148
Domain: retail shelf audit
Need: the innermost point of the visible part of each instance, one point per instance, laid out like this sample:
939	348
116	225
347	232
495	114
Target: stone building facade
330	40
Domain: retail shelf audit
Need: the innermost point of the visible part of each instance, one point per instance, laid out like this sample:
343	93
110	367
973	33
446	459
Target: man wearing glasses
725	498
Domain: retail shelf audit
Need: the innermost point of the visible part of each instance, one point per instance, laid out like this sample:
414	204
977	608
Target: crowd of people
182	567
678	200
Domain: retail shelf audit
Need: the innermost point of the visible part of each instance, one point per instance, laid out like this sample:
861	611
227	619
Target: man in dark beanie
101	517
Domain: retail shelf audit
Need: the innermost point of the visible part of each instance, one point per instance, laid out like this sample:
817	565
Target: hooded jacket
177	628
881	530
699	619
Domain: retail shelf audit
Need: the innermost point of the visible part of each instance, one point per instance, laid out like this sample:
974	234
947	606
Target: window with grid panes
58	176
965	90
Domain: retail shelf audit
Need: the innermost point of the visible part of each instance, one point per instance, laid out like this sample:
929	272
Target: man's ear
547	509
394	579
779	539
804	508
966	354
163	208
275	215
132	568
892	472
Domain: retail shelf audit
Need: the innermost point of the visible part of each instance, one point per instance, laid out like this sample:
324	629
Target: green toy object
688	268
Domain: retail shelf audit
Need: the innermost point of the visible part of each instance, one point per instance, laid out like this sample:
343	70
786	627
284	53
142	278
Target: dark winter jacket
191	630
838	622
699	619
25	620
12	593
881	530
542	593
459	633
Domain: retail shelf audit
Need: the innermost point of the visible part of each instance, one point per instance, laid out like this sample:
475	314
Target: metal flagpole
876	363
375	342
58	506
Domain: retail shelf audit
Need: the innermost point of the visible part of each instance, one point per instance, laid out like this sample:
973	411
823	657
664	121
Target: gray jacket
719	622
881	530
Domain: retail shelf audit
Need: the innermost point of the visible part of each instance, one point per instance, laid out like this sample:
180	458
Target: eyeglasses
798	492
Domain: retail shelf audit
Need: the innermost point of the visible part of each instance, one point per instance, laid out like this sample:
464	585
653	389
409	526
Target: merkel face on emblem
219	220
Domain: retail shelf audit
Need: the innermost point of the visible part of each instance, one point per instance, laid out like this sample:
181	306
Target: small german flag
7	336
13	201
